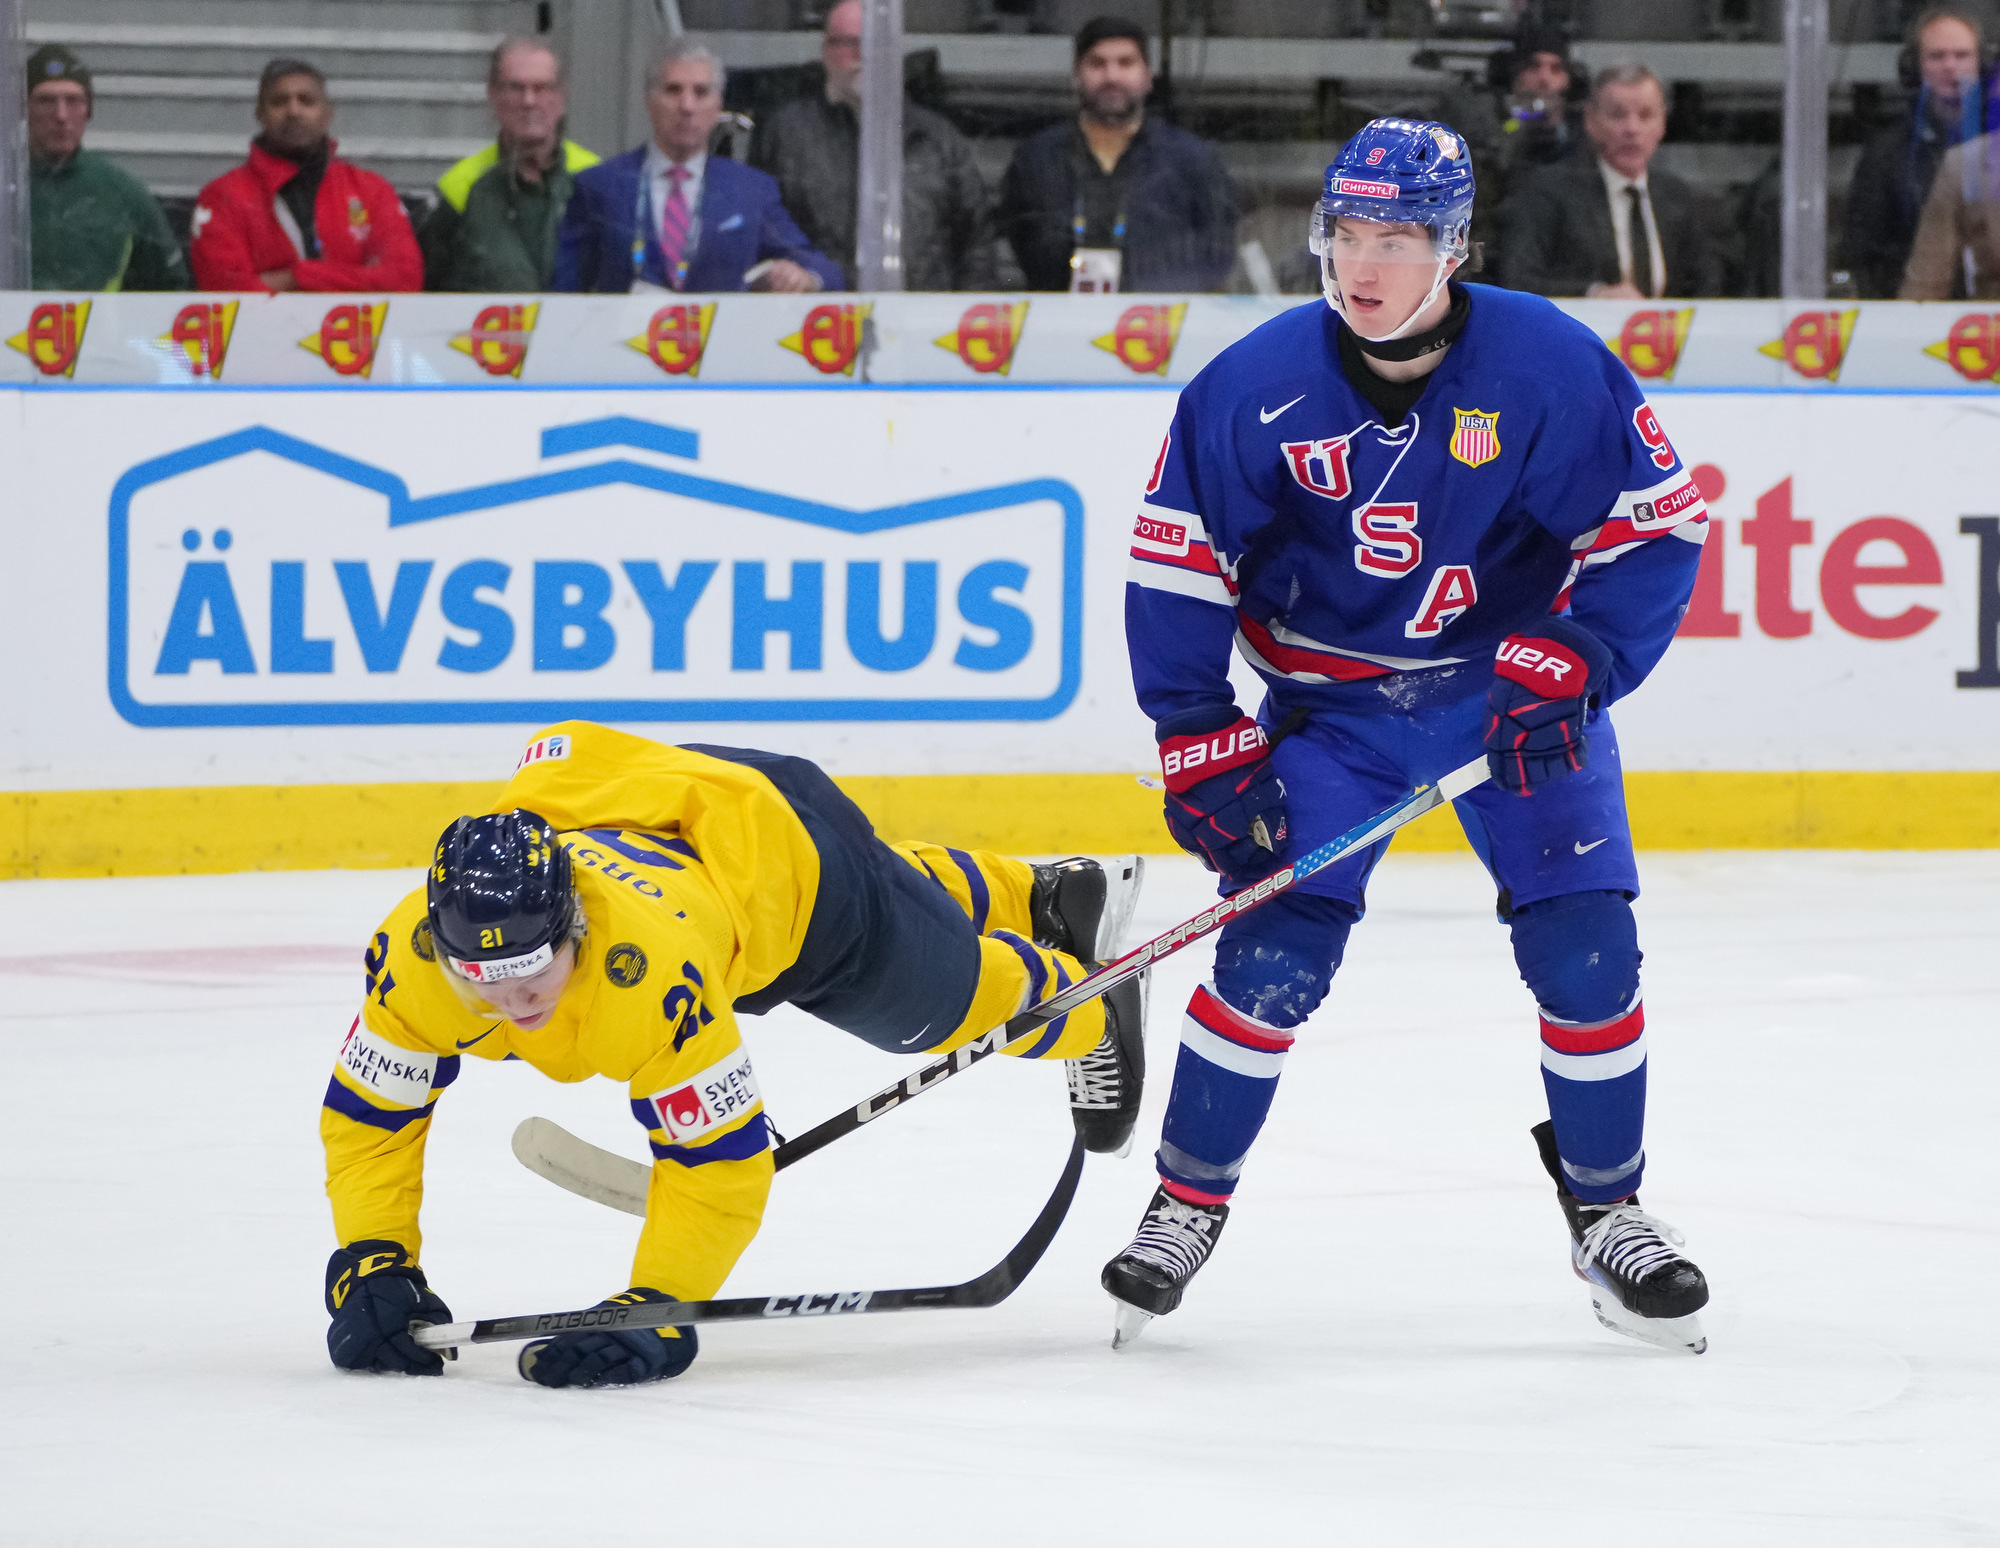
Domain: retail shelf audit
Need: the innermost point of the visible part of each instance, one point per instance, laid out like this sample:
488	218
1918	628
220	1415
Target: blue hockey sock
1579	954
1272	969
1224	1079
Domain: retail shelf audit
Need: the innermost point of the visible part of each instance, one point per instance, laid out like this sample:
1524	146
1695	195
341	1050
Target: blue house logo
258	579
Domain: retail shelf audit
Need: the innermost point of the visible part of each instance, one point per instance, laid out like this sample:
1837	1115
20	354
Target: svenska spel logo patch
394	1073
1476	437
720	1094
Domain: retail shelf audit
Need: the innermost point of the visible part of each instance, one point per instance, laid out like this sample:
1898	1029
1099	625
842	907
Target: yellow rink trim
317	827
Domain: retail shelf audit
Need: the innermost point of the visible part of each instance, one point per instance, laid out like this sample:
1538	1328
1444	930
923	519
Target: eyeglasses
527	88
842	40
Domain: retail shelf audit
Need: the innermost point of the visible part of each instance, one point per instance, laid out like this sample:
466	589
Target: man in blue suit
669	215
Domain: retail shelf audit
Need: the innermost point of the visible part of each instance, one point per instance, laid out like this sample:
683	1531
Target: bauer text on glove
1543	684
1225	803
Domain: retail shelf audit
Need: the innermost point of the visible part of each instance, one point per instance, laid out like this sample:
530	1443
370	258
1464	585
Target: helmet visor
1348	230
523	989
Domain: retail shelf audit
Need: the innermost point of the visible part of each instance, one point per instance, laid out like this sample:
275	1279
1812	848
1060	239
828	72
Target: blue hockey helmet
502	899
1398	171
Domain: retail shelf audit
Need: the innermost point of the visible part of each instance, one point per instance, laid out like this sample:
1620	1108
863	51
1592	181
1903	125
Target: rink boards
301	627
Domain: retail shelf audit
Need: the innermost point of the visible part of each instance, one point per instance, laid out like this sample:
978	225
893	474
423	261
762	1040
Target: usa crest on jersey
1476	438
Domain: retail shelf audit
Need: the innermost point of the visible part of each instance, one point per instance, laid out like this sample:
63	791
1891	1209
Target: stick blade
549	1150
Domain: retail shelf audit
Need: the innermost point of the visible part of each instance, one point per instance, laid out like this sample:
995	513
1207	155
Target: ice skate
1639	1285
1105	1085
1083	908
1149	1277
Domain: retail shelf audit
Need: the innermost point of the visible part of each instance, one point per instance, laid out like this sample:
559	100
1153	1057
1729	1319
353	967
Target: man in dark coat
1604	223
813	148
1900	161
1115	178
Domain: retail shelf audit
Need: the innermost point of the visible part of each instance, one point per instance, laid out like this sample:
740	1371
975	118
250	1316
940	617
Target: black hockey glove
373	1292
1543	682
1225	803
609	1358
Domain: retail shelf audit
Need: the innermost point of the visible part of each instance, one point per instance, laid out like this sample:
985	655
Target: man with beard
1115	180
295	216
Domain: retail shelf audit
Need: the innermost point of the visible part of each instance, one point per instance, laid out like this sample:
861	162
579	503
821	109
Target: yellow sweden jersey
697	881
668	948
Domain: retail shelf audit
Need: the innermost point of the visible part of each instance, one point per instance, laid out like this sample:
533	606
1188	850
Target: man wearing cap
92	224
1146	205
295	216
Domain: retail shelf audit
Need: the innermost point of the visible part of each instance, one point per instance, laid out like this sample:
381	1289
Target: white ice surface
1387	1348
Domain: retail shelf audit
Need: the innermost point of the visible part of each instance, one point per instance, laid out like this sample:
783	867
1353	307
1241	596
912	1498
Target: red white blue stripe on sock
1600	1050
1224	1078
1242	1044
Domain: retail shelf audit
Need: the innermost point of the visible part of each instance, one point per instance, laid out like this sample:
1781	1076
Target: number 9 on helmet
1398	171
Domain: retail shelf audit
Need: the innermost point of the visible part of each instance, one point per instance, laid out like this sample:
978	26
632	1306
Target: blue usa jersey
1337	552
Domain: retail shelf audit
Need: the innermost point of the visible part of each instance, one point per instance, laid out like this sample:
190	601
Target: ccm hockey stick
551	1151
989	1289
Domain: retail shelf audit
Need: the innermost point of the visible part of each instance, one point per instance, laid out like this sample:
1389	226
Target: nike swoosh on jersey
1267	415
491	1030
1584	849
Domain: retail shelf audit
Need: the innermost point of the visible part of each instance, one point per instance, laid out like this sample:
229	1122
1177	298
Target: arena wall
300	615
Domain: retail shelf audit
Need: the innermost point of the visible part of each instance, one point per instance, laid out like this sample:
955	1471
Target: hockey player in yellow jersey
619	907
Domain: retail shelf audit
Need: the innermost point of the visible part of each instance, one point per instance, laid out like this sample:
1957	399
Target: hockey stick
610	1179
989	1289
1023	1027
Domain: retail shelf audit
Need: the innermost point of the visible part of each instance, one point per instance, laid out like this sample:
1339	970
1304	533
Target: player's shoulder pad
1535	338
406	929
1294	345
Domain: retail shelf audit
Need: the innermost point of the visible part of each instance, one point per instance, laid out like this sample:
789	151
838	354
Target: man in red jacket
295	216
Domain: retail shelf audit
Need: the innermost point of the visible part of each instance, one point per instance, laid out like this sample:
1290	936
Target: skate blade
1126	875
1130	1323
1682	1335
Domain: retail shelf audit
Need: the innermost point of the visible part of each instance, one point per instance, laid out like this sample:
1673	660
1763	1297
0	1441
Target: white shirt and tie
1618	193
662	176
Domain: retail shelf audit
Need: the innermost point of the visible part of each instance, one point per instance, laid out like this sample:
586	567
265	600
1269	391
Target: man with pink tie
669	216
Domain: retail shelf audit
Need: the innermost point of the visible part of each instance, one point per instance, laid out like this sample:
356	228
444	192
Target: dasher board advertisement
509	343
313	587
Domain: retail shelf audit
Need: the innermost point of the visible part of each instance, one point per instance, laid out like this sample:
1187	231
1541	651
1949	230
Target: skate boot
1082	908
1148	1278
1105	1084
1639	1285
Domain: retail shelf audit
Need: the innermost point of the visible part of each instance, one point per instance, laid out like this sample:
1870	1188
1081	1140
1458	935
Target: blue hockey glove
373	1291
1225	803
1542	684
611	1358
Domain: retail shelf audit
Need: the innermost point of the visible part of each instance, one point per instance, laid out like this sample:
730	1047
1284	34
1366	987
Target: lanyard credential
646	236
1077	224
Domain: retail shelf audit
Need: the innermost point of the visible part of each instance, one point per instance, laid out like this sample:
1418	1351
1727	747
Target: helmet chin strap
1437	284
1337	301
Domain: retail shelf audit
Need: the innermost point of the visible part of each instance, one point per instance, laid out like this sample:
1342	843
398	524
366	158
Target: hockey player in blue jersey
1431	517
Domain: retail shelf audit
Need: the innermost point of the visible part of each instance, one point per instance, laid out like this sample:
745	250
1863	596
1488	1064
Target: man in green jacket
91	225
494	228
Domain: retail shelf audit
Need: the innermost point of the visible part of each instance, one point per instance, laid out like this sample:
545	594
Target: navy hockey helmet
1396	171
502	901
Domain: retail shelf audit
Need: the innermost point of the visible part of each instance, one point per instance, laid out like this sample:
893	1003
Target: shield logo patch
1476	438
